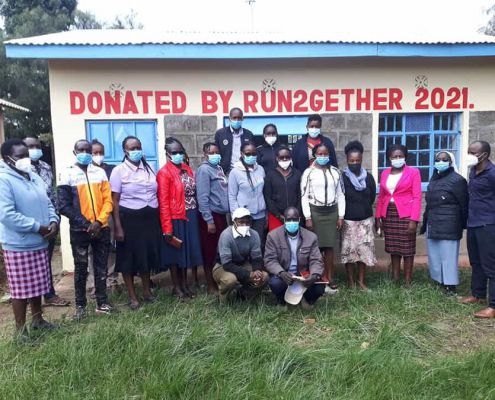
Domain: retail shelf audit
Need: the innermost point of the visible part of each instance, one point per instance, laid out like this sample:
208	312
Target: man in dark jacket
230	139
302	151
293	251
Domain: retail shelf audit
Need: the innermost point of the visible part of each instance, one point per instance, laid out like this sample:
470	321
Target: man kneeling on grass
293	259
238	273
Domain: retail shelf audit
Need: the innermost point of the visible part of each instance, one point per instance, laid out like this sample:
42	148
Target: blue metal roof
133	44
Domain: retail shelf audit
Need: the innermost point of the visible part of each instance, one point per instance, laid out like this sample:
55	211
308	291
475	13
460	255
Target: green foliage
389	343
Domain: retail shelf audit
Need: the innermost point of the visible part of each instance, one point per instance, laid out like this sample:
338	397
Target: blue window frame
423	135
112	133
290	128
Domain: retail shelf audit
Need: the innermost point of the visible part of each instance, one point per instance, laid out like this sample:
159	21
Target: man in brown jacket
293	251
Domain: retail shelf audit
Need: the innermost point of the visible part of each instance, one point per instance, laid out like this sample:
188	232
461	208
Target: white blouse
314	181
391	184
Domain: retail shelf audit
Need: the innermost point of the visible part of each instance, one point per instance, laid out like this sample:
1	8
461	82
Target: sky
362	17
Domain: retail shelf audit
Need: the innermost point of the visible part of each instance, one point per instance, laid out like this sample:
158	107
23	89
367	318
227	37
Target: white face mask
98	159
243	230
285	164
23	164
398	162
271	140
313	132
471	160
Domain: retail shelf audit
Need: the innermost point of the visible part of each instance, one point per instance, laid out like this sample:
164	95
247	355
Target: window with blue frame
423	134
112	133
289	128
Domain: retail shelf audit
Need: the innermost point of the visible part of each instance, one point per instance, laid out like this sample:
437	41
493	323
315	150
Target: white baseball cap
294	293
241	212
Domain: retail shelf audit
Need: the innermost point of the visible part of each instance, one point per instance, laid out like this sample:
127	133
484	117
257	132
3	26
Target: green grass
390	343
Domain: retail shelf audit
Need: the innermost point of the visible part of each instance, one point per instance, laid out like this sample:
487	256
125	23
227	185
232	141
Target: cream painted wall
193	76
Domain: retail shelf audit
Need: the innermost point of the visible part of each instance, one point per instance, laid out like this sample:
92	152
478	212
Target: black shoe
104	309
43	325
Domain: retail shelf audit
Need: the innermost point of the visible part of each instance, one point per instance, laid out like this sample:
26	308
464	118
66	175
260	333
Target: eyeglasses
176	152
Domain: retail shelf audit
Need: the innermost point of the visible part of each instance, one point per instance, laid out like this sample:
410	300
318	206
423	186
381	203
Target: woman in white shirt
323	205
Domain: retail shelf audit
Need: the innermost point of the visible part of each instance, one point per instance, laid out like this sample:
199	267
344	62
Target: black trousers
481	250
100	246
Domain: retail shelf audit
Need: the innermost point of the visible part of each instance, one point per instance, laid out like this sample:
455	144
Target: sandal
57	301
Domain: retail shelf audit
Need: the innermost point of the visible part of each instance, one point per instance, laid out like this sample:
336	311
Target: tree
489	29
24	81
126	22
86	20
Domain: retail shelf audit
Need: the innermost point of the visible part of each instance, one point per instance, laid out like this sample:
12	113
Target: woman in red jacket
398	210
179	217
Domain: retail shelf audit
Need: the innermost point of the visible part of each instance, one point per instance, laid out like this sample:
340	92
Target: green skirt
325	224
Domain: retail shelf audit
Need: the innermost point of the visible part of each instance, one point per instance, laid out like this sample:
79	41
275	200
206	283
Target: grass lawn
390	343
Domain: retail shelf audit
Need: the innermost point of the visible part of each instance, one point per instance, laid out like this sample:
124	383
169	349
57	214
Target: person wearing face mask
481	228
230	139
136	219
398	210
282	188
323	205
358	236
98	156
267	152
238	272
45	172
293	251
213	204
302	152
85	199
444	219
246	181
28	221
179	218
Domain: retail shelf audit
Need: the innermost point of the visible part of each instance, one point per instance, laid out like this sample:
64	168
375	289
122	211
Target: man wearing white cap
293	259
238	273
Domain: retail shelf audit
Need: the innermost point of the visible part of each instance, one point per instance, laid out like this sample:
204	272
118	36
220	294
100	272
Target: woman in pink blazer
398	210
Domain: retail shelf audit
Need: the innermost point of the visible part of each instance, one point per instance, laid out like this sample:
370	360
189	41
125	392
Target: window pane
436	122
412	142
445	122
424	142
381	159
381	124
390	124
398	123
381	143
425	174
418	122
424	158
411	159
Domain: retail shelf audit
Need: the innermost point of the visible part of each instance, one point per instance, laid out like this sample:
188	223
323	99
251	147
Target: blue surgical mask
313	132
292	226
236	125
398	162
214	159
250	160
135	155
84	158
177	159
35	154
442	166
322	160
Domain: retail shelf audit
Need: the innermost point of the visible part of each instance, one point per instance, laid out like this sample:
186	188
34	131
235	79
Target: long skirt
358	242
325	225
27	273
397	240
189	255
443	261
139	253
209	241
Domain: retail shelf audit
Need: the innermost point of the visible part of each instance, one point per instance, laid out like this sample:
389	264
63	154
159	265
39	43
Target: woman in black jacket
358	237
282	188
444	219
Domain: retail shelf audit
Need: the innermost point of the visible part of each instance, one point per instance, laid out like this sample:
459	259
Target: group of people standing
251	216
